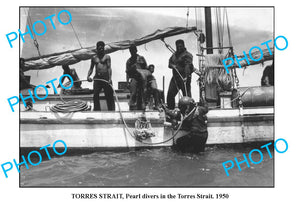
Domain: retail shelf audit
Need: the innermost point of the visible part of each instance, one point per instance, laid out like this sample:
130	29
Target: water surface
152	167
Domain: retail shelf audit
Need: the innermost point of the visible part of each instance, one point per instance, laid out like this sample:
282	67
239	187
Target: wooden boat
105	130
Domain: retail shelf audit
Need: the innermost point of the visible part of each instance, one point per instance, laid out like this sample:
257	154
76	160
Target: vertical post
164	84
164	88
208	30
200	43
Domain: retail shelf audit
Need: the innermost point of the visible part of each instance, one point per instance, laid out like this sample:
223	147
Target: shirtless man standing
103	71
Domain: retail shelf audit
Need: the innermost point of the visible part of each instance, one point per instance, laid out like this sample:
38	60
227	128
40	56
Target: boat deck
105	130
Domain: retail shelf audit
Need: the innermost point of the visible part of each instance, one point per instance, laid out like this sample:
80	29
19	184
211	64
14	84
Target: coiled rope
75	105
70	106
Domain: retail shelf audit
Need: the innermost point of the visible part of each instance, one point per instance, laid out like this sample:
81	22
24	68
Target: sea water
152	167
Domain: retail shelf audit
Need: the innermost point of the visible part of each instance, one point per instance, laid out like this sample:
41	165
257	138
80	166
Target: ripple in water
151	167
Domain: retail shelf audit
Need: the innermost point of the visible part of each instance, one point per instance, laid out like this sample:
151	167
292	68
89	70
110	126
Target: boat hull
106	131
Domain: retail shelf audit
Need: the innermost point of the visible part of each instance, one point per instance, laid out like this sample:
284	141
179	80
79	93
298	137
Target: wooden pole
208	30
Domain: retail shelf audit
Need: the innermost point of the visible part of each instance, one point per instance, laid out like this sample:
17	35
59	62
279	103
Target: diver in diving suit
195	122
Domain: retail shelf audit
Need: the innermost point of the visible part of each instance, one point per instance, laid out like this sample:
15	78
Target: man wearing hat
181	63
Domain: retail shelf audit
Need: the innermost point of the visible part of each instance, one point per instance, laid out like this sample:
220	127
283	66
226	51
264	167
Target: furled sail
243	63
216	77
75	56
256	55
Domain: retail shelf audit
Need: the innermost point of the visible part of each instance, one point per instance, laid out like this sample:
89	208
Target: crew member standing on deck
136	70
152	87
103	72
181	62
25	83
73	74
268	76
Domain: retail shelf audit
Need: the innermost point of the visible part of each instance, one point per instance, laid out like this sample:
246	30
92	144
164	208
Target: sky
247	29
238	16
248	26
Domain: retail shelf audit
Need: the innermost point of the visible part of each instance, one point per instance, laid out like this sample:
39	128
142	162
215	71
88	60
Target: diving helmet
186	104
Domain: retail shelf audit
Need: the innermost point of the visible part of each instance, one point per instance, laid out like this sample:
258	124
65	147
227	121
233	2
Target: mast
208	30
200	43
210	90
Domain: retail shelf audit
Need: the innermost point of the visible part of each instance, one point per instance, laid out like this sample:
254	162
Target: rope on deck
70	106
79	105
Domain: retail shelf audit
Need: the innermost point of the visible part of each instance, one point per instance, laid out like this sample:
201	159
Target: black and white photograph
146	96
149	106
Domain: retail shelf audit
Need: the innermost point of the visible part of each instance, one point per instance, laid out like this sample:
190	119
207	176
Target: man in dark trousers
181	62
136	70
268	76
102	62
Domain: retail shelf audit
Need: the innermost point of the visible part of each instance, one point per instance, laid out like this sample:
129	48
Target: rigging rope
228	29
187	17
184	83
239	97
35	42
200	53
220	29
76	35
223	26
217	27
168	46
200	18
76	104
196	18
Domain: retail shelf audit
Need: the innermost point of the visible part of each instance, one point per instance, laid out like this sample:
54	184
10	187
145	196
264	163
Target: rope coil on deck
70	106
77	105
